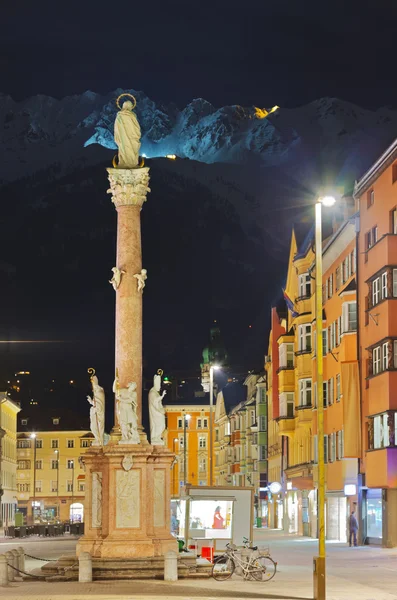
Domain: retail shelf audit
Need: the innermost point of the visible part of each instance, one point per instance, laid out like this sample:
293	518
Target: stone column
128	188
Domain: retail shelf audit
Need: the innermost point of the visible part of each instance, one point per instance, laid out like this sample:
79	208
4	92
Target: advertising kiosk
211	517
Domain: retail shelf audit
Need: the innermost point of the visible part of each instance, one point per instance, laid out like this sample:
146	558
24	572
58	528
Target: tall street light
186	419
212	368
58	503
319	561
33	437
2	434
175	489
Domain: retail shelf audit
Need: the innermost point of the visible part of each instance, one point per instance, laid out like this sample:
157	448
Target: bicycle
257	566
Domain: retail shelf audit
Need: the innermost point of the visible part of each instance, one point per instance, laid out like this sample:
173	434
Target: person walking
353	528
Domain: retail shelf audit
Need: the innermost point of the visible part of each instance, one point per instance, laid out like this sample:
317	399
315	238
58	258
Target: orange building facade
196	453
292	386
376	197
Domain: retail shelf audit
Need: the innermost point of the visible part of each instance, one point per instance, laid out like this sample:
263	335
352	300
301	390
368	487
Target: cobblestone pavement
365	573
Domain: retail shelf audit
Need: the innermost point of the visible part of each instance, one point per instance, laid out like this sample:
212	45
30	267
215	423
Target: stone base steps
67	568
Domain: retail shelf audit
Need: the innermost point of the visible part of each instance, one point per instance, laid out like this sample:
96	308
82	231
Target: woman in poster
218	519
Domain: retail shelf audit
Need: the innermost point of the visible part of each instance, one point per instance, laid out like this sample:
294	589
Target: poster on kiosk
213	516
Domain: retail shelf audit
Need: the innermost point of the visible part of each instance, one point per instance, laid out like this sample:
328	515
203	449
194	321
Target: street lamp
212	368
175	489
58	503
2	433
186	419
319	562
33	437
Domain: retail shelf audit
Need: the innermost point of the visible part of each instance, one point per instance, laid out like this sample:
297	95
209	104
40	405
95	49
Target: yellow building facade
8	459
189	423
50	476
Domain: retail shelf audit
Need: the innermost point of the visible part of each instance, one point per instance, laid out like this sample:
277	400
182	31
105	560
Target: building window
287	404
23	487
304	285
375	291
24	421
384	285
227	428
340	445
330	286
54	463
55	421
180	423
370	198
38	486
325	393
349	310
381	431
39	464
371	237
331	391
69	485
181	442
23	444
253	417
202	464
325	341
81	485
39	443
376	360
332	447
202	441
70	464
332	339
262	451
395	283
54	487
85	444
262	395
54	444
305	338
305	392
338	390
205	423
70	443
286	356
337	279
24	464
262	423
385	356
198	423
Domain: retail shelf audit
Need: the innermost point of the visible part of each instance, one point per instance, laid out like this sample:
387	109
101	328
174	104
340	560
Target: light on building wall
350	489
289	485
32	435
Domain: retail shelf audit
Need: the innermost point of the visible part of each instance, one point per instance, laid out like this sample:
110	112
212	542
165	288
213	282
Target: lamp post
320	560
212	368
33	437
58	503
72	519
186	419
2	433
175	489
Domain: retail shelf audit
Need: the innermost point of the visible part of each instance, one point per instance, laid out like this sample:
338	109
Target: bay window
304	337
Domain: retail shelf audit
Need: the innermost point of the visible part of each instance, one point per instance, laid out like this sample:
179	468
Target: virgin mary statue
127	135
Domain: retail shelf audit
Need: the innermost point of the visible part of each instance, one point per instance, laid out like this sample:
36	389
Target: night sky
286	53
262	53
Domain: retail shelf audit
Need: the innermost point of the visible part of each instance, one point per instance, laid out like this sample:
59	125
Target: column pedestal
127	506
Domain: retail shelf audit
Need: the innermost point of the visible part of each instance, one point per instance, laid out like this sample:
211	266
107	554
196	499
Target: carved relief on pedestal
96	500
127	499
159	498
129	186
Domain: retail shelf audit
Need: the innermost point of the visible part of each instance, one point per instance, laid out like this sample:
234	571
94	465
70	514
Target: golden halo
160	372
125	94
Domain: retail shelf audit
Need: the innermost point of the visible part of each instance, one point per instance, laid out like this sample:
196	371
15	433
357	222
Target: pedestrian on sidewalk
353	528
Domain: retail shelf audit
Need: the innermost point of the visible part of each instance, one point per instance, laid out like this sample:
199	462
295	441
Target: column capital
128	187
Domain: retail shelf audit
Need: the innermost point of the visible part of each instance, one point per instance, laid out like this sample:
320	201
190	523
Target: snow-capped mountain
42	131
214	241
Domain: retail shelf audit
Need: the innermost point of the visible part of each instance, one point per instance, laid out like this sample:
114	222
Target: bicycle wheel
223	568
263	569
